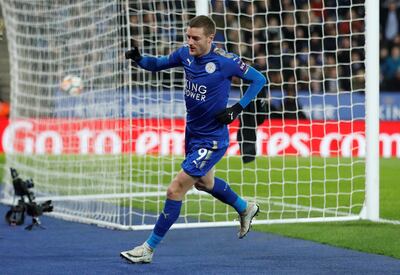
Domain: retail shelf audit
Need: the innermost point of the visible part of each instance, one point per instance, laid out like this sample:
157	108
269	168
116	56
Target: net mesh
108	154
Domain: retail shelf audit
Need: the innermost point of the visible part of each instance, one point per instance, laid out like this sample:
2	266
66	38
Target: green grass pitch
275	188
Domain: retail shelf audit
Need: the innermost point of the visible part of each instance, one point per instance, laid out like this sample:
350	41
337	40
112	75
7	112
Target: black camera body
21	187
16	215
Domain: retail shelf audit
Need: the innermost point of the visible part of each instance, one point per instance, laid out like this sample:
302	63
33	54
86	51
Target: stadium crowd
316	45
318	51
390	45
301	45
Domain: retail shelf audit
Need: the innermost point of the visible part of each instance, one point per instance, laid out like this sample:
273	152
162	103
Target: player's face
199	43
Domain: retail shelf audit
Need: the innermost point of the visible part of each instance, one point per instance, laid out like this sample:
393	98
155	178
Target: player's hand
133	54
229	114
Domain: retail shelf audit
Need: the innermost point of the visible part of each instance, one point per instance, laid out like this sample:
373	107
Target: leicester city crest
210	67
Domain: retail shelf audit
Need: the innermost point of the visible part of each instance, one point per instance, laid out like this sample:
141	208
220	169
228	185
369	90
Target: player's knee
171	192
175	190
201	186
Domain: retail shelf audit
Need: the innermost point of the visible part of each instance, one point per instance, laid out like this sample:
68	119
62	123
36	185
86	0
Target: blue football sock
223	192
164	222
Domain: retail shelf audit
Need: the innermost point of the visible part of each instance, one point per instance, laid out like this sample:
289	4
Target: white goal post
372	110
306	150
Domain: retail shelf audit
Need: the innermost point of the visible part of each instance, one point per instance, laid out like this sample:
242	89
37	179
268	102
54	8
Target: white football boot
140	254
246	217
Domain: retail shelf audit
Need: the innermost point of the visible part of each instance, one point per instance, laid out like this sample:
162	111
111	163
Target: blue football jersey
207	86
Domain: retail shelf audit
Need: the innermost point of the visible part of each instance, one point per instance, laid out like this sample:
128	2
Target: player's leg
172	207
221	190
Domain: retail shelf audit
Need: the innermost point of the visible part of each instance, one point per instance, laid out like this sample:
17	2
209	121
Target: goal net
107	153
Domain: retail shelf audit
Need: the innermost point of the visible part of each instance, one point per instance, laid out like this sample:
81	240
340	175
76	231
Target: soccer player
208	72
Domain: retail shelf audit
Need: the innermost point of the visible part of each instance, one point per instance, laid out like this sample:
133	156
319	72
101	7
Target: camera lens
29	183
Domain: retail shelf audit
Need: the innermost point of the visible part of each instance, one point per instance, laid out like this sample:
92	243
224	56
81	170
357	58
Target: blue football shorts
202	155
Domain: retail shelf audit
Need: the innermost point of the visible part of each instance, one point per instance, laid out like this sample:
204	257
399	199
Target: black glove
229	114
133	54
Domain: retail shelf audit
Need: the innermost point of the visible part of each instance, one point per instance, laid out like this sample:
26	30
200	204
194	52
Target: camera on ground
26	203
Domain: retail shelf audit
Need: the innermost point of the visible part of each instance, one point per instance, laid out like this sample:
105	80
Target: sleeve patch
243	66
235	66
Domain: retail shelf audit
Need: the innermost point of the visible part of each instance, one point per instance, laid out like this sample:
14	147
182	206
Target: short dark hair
204	22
